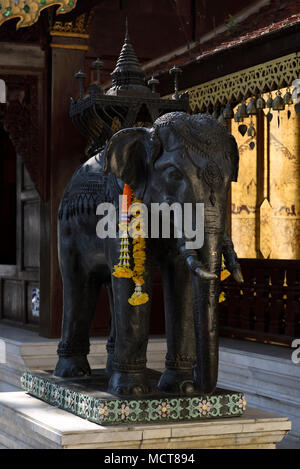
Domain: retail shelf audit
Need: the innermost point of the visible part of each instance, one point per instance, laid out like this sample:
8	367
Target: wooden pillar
66	154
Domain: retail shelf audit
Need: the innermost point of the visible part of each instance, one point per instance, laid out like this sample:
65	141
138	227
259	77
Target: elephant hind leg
110	346
80	295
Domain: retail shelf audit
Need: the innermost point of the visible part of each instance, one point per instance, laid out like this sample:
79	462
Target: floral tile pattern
105	411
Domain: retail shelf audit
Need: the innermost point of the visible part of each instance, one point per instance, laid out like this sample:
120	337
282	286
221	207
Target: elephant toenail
188	388
137	390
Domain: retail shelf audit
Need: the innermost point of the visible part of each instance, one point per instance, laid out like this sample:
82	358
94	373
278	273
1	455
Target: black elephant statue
185	159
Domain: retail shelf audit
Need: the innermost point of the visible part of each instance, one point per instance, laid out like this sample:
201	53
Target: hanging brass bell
215	114
269	102
237	117
228	112
278	103
221	118
287	99
260	102
251	130
243	111
251	108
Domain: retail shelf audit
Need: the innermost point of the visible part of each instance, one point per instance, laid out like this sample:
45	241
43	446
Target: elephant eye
174	174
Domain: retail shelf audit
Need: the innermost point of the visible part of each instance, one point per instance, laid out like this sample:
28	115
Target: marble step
16	431
267	376
10	442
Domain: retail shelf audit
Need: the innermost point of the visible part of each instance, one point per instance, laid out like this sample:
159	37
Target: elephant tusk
205	274
230	258
237	274
194	265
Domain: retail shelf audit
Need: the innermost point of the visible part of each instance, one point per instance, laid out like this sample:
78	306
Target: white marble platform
265	373
26	422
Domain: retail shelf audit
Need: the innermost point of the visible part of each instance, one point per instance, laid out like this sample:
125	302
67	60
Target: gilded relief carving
244	194
79	27
265	231
243	236
268	226
28	11
284	184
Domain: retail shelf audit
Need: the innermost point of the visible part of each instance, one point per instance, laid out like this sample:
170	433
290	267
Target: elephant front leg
178	303
131	338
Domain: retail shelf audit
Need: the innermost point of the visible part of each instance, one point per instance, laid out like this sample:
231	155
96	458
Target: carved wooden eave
21	119
28	11
233	88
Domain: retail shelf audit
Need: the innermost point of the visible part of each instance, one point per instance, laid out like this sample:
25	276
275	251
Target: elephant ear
126	157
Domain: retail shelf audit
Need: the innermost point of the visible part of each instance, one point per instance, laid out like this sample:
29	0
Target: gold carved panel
244	193
265	229
284	137
266	219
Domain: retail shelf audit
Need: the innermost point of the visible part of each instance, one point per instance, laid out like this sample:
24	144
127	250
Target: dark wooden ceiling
156	27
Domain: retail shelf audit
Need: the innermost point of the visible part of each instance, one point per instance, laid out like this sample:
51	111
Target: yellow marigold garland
123	270
224	274
139	257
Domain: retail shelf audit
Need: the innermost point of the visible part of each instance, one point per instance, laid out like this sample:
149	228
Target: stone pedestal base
87	397
27	422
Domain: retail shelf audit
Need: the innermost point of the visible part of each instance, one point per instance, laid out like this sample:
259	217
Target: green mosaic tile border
130	411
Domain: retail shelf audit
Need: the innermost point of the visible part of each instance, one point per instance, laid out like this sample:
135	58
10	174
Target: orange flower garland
123	270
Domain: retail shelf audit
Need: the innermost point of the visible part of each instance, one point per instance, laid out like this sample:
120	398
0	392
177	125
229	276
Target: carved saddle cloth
88	187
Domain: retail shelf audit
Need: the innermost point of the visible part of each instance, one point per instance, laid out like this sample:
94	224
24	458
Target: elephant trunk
205	284
205	294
